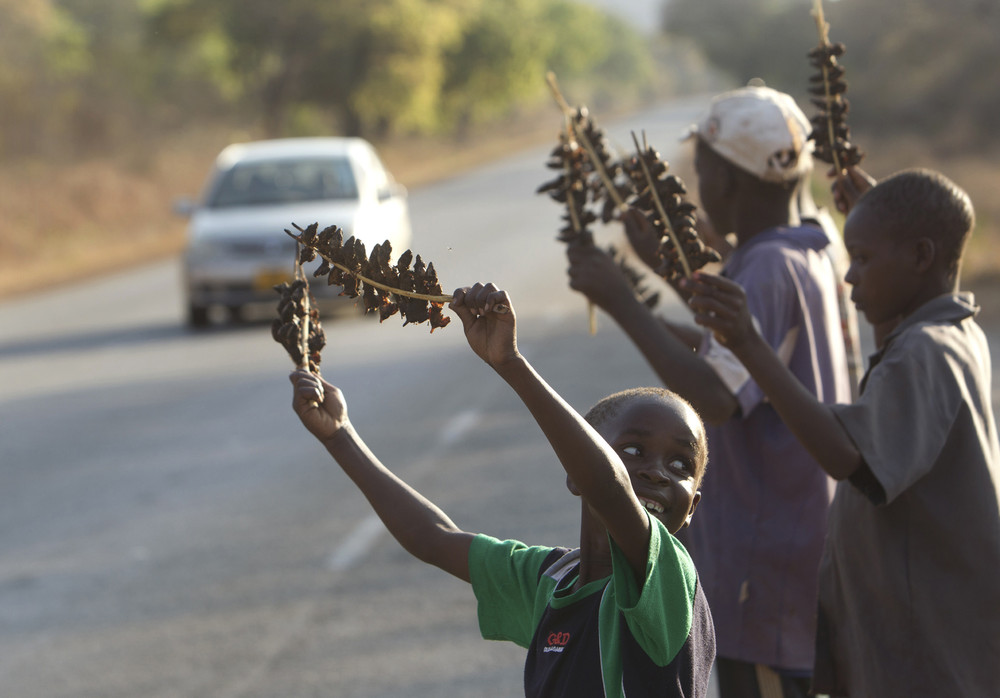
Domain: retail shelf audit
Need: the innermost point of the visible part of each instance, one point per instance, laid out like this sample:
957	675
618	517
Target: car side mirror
391	191
184	207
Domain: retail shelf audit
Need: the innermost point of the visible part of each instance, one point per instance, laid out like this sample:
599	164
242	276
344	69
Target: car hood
261	221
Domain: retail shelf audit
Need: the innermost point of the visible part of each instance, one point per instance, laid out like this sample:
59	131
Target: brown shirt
910	576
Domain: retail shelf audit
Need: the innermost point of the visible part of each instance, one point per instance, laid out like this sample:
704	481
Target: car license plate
266	279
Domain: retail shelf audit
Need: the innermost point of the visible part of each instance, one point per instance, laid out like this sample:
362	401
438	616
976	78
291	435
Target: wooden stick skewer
824	39
572	135
685	265
550	77
304	330
433	298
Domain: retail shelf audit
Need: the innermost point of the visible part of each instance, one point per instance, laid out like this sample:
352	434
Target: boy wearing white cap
761	538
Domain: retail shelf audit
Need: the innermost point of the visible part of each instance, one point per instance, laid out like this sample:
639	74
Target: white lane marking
456	427
356	544
362	537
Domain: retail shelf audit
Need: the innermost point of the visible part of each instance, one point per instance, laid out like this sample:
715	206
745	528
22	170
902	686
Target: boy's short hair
924	203
609	406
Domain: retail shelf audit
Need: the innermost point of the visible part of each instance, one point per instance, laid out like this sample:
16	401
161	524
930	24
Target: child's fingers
309	390
713	307
714	299
460	307
474	301
497	302
703	284
485	298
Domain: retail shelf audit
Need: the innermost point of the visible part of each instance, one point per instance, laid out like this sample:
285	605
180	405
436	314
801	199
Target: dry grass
62	223
977	173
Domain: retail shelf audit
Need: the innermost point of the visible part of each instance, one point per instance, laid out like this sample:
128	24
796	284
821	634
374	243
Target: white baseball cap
759	129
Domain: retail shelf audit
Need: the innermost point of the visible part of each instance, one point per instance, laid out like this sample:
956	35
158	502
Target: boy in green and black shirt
623	614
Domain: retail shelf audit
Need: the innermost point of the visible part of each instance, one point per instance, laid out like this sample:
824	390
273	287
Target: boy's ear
694	505
924	254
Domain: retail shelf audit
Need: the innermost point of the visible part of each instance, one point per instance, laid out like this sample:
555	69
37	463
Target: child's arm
419	526
590	462
720	305
667	349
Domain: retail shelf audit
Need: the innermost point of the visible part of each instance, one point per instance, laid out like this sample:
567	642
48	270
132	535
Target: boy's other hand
489	322
318	404
596	275
720	305
848	186
711	237
643	237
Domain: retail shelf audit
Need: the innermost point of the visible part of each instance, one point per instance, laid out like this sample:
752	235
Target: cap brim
690	132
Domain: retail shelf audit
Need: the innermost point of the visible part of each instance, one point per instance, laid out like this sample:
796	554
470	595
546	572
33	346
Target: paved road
167	528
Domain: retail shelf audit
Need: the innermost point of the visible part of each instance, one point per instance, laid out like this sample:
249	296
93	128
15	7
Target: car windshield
285	181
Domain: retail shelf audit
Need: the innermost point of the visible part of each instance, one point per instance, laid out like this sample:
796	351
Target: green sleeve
505	579
659	612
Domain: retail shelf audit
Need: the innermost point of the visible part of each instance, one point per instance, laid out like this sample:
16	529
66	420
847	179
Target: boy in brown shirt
909	599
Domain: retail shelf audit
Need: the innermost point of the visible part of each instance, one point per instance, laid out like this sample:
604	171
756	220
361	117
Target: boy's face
662	445
711	174
881	272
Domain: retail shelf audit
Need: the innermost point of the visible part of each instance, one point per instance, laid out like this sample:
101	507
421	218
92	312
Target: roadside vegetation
921	84
112	109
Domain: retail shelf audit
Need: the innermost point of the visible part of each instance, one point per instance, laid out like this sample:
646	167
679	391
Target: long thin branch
550	78
824	39
372	282
578	228
659	208
385	287
433	298
304	330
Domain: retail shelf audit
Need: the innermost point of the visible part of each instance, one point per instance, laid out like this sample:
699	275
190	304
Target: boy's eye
682	466
632	450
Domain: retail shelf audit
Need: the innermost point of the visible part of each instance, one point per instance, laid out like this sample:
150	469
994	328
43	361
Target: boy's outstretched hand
848	186
643	237
720	305
490	325
596	275
320	406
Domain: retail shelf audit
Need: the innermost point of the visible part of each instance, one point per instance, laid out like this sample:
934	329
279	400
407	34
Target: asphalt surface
168	528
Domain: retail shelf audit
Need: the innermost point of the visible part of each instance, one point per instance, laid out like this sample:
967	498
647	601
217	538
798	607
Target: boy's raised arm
421	528
668	350
720	305
588	459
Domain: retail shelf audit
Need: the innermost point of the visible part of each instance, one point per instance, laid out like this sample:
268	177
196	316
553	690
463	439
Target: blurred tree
79	77
748	38
913	66
405	44
256	51
394	66
42	53
594	54
108	95
497	62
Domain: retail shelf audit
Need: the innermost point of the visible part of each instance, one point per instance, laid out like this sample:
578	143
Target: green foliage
79	76
42	53
596	54
496	63
405	42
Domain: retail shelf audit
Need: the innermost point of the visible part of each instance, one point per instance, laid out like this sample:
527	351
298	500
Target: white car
237	249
